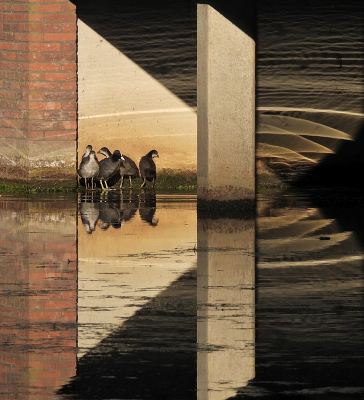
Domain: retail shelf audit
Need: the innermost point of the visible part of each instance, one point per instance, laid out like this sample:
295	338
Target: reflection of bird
128	168
109	167
109	215
89	166
128	208
147	208
147	168
89	215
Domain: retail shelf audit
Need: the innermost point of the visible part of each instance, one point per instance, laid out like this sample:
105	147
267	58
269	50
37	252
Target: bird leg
144	183
122	181
153	183
130	184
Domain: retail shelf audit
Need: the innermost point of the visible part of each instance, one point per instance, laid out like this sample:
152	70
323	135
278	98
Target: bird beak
122	158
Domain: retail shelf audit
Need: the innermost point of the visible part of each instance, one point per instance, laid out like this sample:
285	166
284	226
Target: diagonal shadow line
161	36
151	356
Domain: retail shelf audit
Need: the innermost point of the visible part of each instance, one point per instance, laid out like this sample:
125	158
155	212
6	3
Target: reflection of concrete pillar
226	295
226	108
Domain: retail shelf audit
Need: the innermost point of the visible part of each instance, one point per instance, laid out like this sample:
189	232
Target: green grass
36	187
167	179
176	179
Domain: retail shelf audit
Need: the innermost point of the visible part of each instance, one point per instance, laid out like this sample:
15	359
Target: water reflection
226	307
147	209
130	257
167	310
38	302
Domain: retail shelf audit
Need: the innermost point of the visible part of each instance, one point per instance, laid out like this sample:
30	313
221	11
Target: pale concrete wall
226	108
123	107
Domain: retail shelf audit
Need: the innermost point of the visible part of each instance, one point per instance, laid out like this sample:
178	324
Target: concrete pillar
38	91
225	307
226	108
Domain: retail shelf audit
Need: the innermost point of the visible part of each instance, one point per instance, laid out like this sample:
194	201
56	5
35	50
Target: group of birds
115	166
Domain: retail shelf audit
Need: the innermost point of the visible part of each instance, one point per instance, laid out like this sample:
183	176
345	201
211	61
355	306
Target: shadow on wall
159	36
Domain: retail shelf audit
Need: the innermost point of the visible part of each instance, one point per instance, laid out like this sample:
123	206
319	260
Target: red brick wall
38	302
38	88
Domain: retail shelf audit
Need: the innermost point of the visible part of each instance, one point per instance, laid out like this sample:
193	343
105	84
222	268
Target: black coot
128	168
115	178
147	168
109	167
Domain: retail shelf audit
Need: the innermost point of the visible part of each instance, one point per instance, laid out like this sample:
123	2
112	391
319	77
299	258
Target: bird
89	166
88	151
108	167
147	168
128	168
105	152
115	178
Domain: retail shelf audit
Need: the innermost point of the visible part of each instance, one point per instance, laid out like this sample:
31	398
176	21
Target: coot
109	167
89	166
147	168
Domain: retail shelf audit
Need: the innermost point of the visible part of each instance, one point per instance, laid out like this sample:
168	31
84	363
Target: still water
128	295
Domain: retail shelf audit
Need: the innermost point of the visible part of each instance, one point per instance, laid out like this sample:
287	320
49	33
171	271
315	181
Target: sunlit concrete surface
122	268
226	307
123	107
226	108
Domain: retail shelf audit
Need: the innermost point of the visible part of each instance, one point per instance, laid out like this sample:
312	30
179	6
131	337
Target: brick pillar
38	91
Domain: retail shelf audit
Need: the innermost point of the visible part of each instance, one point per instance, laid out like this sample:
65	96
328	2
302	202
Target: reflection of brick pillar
38	299
38	90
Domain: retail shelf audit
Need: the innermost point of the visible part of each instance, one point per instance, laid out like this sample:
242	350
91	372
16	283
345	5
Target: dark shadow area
309	314
310	66
240	13
151	356
345	206
341	170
